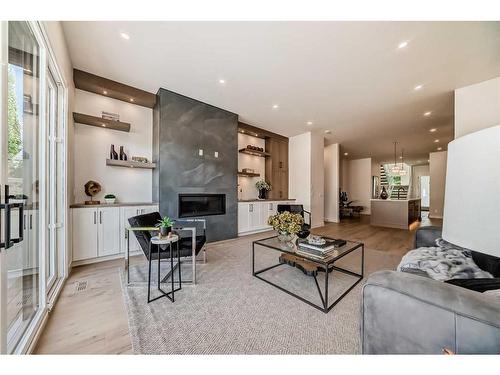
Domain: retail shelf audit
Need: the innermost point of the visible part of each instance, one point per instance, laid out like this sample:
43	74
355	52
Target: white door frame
4	65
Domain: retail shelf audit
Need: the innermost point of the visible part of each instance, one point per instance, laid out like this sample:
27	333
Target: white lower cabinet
252	216
99	232
84	233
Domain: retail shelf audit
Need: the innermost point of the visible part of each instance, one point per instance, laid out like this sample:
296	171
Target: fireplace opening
191	205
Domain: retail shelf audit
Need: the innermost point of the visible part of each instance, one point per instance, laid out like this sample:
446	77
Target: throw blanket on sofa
442	263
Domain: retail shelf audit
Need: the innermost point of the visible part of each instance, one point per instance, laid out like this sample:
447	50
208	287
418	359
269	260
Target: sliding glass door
20	182
33	109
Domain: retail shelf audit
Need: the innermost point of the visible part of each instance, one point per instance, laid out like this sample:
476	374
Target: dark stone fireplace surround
181	127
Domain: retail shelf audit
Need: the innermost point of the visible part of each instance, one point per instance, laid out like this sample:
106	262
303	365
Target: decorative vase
303	233
262	193
164	231
123	155
112	153
383	194
285	237
110	200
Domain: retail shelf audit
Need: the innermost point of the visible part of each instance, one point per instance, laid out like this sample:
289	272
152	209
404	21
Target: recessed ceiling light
222	81
439	148
105	92
328	132
436	141
346	153
125	36
428	160
309	123
427	114
418	87
401	157
103	125
131	99
432	130
403	44
275	106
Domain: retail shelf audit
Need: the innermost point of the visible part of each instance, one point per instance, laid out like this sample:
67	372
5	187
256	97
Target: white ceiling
347	77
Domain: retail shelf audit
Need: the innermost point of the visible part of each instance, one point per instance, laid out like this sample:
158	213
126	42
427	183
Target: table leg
127	257
179	265
172	269
149	274
326	289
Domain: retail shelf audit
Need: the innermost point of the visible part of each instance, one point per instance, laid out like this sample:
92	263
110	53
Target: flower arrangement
286	224
262	185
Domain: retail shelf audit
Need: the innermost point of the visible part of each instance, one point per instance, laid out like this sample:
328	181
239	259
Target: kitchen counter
395	213
265	200
117	204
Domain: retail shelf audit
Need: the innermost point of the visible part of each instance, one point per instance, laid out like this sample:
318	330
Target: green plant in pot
110	198
165	226
286	224
263	187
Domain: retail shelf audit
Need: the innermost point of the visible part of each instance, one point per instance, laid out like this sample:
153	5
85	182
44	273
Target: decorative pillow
479	285
442	263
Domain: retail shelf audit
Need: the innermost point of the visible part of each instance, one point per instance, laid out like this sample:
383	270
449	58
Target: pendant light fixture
395	168
402	170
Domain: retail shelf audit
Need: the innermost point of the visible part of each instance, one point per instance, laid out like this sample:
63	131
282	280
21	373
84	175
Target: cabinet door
128	212
84	233
243	217
267	209
255	220
109	231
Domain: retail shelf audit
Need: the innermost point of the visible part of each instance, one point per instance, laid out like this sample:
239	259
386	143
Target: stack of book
326	250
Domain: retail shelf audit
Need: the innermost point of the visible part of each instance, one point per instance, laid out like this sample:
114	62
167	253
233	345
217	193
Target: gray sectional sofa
403	313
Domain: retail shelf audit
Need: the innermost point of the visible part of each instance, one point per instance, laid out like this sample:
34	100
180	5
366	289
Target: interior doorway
425	192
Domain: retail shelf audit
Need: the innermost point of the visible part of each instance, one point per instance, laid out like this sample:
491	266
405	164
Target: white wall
92	147
246	188
317	179
357	182
332	182
437	169
477	107
306	173
299	169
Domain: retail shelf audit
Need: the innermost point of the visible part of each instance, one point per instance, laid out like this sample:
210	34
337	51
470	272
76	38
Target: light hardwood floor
94	320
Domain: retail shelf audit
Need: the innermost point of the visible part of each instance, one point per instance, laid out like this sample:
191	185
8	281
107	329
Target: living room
264	187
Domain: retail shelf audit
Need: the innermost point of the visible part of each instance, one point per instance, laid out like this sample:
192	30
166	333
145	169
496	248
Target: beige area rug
231	312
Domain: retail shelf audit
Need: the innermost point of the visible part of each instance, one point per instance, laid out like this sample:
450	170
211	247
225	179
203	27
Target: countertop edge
265	200
118	204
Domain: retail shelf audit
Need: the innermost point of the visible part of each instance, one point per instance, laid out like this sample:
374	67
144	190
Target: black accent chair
192	239
297	209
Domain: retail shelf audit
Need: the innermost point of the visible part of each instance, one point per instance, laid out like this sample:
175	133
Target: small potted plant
286	224
165	226
263	187
110	198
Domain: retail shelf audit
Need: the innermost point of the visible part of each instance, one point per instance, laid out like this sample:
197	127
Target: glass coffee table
310	265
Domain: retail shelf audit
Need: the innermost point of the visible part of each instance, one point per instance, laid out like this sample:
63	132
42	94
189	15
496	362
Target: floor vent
81	286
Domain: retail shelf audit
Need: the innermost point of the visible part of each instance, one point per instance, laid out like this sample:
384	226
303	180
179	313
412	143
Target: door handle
95	220
250	208
31	221
100	217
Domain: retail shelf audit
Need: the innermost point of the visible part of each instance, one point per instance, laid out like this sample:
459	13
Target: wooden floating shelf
255	152
130	164
112	89
248	174
101	122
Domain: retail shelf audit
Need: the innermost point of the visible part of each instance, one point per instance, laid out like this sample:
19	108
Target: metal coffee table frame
327	267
